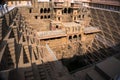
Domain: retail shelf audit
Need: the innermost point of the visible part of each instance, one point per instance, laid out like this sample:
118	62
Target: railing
58	5
75	5
51	52
51	33
57	62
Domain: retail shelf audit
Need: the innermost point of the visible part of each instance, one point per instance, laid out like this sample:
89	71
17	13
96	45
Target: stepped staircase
106	70
29	75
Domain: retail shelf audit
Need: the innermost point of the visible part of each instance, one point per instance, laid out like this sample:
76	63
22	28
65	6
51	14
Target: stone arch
83	16
41	10
75	37
69	10
65	10
30	10
45	10
75	18
58	18
79	36
41	17
45	17
57	26
48	16
36	17
48	10
70	37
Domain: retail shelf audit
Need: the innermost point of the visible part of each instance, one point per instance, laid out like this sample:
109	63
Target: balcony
51	34
75	5
58	5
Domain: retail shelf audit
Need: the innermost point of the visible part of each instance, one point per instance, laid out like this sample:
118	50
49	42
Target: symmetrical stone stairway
19	46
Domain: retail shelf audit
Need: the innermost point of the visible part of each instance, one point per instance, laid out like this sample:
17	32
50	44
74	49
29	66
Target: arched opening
45	10
48	10
65	10
30	10
74	18
57	27
36	17
83	16
70	38
62	11
58	18
41	10
79	37
45	17
75	37
49	16
41	17
69	10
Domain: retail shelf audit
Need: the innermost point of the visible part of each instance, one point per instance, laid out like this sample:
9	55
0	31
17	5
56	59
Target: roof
51	34
88	30
70	24
43	0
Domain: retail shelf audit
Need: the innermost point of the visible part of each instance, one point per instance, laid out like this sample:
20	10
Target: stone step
28	73
42	73
41	70
35	71
94	75
109	68
43	77
29	78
